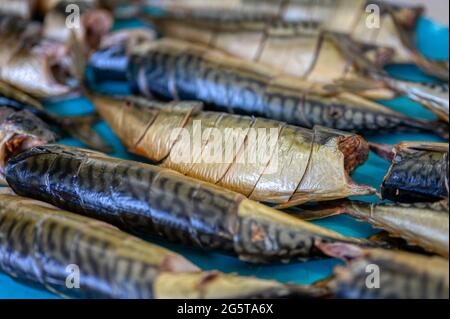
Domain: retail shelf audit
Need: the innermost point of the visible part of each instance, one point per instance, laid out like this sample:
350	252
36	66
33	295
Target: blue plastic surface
432	41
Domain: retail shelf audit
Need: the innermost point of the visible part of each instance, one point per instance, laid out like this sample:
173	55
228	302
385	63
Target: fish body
262	159
44	245
266	31
325	43
387	274
174	69
150	200
421	224
418	172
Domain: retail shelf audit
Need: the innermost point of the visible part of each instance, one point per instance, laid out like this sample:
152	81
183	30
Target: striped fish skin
38	242
150	200
401	275
41	245
302	47
31	63
174	69
419	172
291	175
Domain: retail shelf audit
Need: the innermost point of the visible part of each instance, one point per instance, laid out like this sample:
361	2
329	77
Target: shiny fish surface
38	242
179	70
401	275
150	200
299	165
418	172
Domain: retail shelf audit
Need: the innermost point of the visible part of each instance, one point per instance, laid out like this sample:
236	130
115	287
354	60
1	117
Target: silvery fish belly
387	274
180	70
418	172
150	200
262	159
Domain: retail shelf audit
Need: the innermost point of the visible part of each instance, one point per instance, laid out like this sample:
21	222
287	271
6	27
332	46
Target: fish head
44	71
93	23
19	131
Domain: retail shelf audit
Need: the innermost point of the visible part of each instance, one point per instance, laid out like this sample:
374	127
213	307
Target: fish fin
80	127
358	53
350	190
439	147
344	251
440	128
324	210
78	55
364	87
13	93
439	69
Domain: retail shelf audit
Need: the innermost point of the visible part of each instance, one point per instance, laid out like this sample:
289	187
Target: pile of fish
310	72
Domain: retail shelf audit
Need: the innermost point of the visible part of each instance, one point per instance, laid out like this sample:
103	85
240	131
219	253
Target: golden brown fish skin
422	224
35	65
38	242
418	171
20	130
150	200
289	176
402	275
279	27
